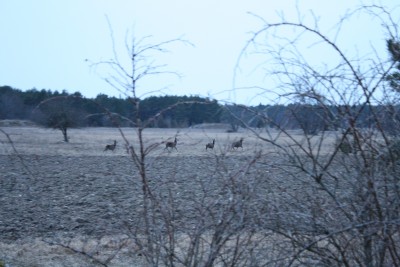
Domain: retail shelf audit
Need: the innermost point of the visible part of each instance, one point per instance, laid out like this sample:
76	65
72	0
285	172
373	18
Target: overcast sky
45	44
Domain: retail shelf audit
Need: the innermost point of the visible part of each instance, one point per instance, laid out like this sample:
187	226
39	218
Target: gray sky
45	42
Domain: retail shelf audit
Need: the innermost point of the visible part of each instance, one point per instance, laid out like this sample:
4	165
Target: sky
48	44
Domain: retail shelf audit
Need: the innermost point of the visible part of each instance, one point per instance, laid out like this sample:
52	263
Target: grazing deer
210	145
111	147
238	144
171	144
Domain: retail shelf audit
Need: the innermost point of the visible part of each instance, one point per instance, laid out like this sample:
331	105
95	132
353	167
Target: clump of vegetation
345	146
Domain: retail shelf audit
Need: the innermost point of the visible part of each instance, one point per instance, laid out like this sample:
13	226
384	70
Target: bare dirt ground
59	199
71	204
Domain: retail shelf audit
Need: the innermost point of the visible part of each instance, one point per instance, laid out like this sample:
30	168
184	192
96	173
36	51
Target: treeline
103	110
185	111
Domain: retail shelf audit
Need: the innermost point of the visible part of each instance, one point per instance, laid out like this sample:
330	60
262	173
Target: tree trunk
64	132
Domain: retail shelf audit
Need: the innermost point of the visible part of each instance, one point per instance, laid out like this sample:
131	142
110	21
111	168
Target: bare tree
211	223
333	208
59	113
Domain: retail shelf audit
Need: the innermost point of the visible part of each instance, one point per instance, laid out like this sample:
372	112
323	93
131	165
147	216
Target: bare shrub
211	223
346	211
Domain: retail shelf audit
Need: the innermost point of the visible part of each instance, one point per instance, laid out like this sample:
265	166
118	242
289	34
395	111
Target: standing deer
238	144
171	144
210	145
111	147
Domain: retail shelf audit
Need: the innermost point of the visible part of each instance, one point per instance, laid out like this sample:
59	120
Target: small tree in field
60	113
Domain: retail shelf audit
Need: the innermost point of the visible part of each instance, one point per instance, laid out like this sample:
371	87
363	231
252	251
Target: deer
111	147
210	145
238	144
171	144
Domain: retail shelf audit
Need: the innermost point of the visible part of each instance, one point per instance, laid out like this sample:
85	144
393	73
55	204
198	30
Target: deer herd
171	145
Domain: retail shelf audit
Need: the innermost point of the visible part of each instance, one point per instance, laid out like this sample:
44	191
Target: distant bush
344	146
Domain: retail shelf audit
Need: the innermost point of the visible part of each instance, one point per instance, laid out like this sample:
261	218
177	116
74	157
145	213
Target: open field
91	141
55	194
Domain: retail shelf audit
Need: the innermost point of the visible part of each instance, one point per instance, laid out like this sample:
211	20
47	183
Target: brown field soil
57	197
